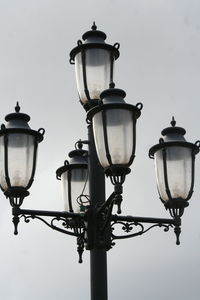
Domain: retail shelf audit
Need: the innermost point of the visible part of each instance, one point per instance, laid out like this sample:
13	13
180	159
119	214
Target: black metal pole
98	256
98	273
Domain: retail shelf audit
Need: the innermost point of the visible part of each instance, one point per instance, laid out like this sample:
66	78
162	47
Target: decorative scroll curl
77	227
138	228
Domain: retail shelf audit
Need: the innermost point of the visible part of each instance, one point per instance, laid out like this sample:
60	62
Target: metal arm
128	223
80	224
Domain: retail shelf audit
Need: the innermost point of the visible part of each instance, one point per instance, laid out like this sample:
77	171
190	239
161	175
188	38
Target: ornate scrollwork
77	227
130	226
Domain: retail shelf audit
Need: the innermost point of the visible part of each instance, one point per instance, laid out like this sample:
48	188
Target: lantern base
176	203
90	104
16	195
117	170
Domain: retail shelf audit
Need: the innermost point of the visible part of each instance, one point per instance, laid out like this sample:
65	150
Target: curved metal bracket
129	223
65	223
129	226
68	221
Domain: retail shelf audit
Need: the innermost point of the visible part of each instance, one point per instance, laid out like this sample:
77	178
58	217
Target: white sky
159	65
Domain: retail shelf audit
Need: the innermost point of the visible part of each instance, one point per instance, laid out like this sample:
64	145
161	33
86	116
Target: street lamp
94	65
111	142
74	178
18	153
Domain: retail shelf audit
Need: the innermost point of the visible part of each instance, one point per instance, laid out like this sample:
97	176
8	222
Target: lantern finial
17	107
173	122
94	27
80	144
112	85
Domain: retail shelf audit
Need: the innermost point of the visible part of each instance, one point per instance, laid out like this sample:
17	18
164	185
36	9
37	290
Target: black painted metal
192	179
6	160
34	163
98	273
69	176
112	59
143	219
164	154
134	140
163	144
104	121
98	256
46	213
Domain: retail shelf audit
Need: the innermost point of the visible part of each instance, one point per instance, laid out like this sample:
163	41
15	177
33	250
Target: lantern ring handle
41	131
117	45
161	141
66	162
151	156
139	105
197	143
79	43
88	121
3	126
71	61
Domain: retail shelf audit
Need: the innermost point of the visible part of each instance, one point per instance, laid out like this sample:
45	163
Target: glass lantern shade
94	65
178	164
93	73
18	151
117	136
75	189
174	167
74	179
114	127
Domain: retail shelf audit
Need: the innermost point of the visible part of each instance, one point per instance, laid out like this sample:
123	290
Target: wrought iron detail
76	226
127	227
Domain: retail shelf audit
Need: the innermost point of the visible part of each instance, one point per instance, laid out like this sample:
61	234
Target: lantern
114	127
74	178
94	63
174	166
18	152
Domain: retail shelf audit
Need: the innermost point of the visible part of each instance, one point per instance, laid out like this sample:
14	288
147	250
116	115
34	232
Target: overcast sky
159	65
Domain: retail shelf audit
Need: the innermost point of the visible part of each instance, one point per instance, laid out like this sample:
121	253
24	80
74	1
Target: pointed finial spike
17	107
80	145
94	27
173	122
112	85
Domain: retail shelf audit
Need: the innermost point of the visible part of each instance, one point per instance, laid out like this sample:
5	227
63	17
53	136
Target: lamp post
88	214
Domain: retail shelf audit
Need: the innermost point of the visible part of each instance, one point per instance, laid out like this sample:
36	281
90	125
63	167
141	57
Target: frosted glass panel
97	72
99	139
79	77
20	158
158	159
79	187
179	170
120	136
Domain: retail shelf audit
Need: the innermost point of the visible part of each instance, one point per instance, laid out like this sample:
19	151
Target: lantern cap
93	39
94	33
17	115
78	154
112	91
17	119
173	129
78	159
